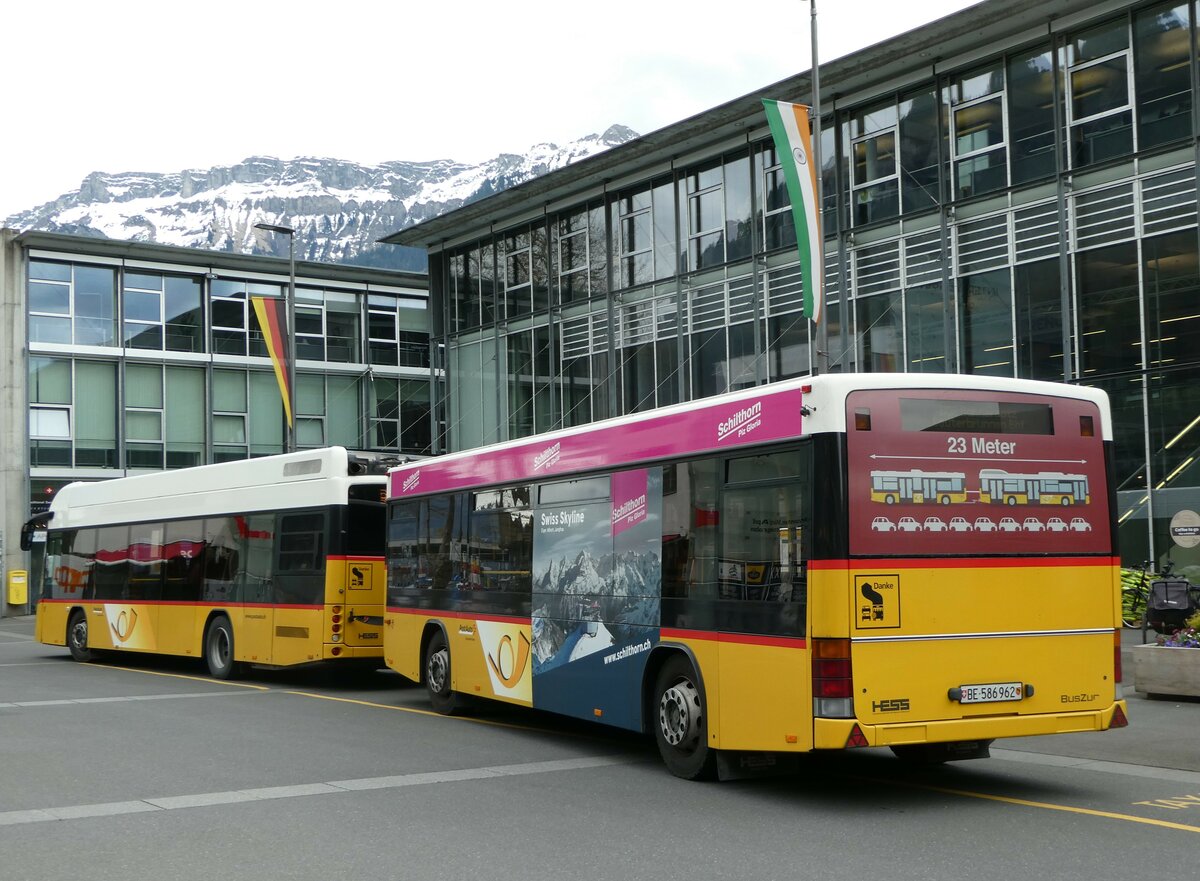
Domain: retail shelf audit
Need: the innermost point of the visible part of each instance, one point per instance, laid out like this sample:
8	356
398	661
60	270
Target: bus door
299	587
764	688
252	639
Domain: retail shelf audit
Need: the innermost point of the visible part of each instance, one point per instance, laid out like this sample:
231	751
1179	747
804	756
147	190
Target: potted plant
1170	665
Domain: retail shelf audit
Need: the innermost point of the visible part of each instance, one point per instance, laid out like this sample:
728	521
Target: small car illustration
1078	524
959	524
1056	524
908	524
984	524
882	524
1032	524
934	524
1008	524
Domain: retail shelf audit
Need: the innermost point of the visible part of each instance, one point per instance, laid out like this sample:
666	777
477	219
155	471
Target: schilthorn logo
741	423
411	482
632	510
547	457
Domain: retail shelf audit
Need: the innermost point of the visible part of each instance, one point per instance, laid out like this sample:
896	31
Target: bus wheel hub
438	662
679	714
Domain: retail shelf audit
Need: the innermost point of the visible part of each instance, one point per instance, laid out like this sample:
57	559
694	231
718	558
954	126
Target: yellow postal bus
726	576
274	561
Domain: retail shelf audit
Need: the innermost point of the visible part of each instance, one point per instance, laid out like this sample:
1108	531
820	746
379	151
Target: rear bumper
833	733
351	651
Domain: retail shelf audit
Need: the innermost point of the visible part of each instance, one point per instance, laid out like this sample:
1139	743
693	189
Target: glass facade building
1009	191
143	358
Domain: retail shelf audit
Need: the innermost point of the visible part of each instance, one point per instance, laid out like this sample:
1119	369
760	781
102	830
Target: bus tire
218	650
681	721
436	669
77	636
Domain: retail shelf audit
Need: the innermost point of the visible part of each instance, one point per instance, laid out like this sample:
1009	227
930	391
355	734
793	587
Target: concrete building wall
13	446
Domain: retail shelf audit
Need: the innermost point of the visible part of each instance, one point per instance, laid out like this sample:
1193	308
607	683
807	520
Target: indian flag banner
272	318
792	133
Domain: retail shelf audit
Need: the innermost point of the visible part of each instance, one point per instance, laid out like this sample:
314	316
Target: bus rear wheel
77	636
681	723
218	650
437	675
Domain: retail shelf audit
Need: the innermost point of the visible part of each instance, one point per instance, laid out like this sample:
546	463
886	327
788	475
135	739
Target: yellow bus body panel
760	711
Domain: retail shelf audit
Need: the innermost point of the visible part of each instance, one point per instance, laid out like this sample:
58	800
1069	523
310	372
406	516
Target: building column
14	442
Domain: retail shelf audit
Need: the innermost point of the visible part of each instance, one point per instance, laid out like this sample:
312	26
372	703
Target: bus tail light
832	679
337	610
1117	674
336	650
337	628
337	619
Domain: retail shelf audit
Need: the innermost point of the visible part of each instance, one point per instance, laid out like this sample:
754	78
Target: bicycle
1135	591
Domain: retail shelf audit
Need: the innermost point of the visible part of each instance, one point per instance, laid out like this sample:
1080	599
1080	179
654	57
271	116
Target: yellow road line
207	679
420	712
1110	815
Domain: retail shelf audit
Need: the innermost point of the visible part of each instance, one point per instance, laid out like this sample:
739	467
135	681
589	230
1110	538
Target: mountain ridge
339	208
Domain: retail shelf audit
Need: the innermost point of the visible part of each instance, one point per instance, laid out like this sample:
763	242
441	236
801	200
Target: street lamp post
290	303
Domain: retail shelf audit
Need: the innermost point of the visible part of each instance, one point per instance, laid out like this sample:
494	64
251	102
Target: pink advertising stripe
771	416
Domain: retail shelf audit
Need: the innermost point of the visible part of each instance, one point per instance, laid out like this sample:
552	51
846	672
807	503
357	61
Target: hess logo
123	627
508	662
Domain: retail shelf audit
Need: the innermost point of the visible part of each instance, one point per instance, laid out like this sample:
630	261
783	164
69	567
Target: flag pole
821	362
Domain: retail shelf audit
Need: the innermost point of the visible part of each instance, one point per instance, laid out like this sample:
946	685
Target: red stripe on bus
963	562
787	642
462	616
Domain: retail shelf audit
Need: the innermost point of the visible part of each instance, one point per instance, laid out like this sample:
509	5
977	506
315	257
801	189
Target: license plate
993	693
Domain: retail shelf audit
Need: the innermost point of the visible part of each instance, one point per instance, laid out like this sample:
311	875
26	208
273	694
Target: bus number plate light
990	693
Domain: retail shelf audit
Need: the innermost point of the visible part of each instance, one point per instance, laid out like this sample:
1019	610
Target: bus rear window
978	417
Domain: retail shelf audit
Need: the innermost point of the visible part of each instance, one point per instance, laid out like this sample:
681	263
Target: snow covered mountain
338	208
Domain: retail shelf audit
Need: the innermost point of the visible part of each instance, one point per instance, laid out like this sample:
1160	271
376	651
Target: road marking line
1047	806
419	712
241	796
73	701
1079	764
207	679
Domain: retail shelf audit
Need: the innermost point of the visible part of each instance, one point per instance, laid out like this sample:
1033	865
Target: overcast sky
163	86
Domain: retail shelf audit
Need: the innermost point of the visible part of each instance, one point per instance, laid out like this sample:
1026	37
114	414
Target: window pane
1099	88
1031	116
978	126
919	151
49	271
143	386
229	429
229	390
1039	320
1105	138
96	414
1164	87
1110	333
49	381
49	330
1101	41
981	174
183	314
45	297
1172	298
924	315
875	158
985	310
185	412
880	318
140	425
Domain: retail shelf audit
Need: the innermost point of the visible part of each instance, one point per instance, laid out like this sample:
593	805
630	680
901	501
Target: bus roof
762	414
311	478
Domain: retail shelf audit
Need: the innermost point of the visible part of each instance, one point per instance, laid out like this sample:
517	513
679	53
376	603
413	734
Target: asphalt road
152	770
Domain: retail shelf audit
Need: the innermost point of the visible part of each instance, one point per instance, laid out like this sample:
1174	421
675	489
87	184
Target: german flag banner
272	318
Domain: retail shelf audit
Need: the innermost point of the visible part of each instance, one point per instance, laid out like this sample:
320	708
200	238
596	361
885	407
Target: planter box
1161	670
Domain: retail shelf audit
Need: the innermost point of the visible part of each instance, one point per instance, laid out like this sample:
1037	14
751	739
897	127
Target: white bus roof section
308	479
824	400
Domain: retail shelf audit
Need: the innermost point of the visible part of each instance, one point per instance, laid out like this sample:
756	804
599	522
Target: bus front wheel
681	724
437	675
218	650
77	636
